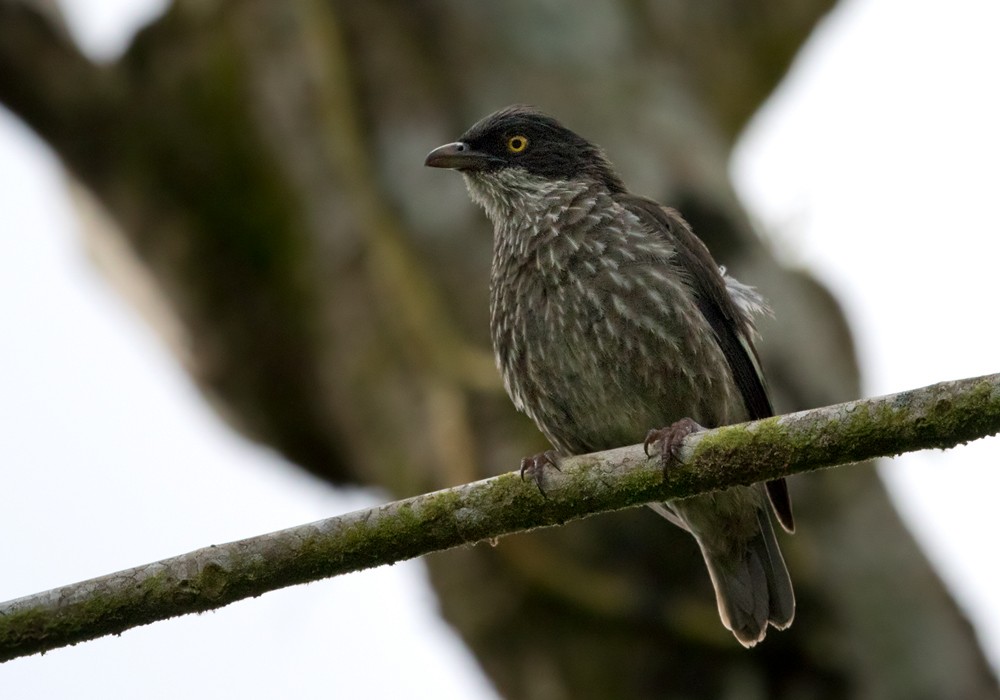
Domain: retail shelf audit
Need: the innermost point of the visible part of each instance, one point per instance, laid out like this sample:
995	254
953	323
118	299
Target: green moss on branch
939	416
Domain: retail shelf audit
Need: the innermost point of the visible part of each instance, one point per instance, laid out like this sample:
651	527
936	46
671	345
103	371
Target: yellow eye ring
517	144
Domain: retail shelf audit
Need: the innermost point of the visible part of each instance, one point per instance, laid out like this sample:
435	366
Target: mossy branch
939	416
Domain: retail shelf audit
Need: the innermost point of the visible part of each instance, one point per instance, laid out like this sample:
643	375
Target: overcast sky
875	166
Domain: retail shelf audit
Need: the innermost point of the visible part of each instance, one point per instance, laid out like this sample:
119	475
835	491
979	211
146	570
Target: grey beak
458	155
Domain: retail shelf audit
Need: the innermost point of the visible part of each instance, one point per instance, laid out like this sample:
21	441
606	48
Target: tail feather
779	584
752	586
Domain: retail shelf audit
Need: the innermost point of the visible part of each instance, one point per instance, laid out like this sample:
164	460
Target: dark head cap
522	137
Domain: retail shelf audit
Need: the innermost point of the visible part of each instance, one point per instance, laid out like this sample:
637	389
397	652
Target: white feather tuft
748	300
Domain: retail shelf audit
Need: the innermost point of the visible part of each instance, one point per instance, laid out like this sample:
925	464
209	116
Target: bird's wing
731	326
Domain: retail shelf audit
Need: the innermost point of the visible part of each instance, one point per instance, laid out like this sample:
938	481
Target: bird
609	318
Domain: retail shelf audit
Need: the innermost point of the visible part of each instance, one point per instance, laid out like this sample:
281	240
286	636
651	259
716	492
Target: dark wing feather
728	323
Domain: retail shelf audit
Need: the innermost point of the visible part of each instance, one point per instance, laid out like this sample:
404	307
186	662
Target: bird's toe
534	467
667	442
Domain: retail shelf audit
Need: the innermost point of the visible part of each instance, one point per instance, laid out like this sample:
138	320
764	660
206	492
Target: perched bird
609	317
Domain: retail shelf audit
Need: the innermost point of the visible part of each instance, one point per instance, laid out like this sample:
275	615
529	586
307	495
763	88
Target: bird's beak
458	155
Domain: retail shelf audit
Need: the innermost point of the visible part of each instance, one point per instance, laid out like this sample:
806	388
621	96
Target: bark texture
943	415
263	160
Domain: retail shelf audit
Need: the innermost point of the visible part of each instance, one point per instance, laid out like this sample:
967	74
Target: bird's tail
752	586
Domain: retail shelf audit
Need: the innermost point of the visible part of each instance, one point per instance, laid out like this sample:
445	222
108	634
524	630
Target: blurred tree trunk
264	161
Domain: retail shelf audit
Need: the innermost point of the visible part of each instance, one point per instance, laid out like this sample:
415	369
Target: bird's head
520	140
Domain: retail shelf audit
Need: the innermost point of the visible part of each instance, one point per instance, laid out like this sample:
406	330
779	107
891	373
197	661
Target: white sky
874	167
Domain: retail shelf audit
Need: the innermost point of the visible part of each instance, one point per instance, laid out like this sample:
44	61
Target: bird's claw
668	441
534	466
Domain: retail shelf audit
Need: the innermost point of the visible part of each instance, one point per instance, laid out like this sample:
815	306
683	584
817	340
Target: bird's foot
534	466
668	441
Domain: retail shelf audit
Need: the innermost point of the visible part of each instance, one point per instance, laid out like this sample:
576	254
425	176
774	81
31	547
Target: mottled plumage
609	317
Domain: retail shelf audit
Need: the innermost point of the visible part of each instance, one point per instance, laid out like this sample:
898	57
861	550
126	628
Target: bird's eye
516	144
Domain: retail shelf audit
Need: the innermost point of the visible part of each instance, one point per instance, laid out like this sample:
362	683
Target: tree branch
75	105
939	416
